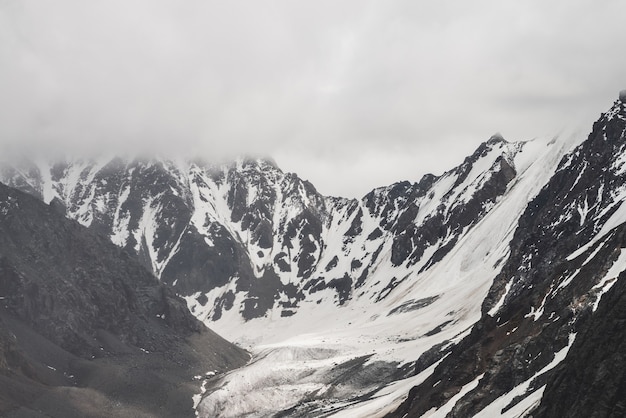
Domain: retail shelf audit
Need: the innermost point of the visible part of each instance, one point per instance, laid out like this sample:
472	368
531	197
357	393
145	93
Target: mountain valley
484	291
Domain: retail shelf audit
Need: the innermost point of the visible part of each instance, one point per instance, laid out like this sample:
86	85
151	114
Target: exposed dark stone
514	346
261	292
432	356
58	206
84	328
437	329
357	225
281	263
224	302
343	286
202	299
376	233
196	267
412	305
332	264
355	264
393	283
591	380
361	280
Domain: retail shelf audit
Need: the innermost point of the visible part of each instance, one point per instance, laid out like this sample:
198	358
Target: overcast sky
349	94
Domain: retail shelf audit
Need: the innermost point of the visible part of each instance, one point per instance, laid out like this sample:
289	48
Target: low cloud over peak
324	87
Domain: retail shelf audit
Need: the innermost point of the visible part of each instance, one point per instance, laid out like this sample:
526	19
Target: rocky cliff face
85	330
590	381
565	255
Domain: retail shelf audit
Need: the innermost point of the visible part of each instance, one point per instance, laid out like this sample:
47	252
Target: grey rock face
81	320
591	381
547	291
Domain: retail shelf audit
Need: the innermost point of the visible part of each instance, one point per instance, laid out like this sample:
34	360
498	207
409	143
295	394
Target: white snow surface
386	399
494	310
610	278
617	218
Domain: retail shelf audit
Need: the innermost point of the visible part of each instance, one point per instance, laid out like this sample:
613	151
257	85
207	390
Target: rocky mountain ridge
203	229
565	256
85	330
473	288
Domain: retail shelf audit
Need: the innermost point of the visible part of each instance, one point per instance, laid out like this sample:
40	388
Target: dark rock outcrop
591	381
85	330
546	293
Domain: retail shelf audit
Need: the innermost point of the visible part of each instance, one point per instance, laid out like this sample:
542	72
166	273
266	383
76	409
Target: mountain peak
255	161
496	138
618	110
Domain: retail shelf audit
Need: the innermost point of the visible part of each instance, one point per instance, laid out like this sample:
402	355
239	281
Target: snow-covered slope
565	255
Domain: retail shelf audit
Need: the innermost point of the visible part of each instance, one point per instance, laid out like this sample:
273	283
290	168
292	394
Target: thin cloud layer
351	94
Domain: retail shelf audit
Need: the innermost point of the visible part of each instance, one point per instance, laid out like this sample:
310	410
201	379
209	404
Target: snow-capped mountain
463	294
263	258
565	255
247	239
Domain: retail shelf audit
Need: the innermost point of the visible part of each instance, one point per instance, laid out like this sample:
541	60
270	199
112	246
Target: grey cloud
375	90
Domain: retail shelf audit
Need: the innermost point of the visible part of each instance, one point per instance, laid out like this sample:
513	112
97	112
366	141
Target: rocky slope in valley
85	330
546	307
